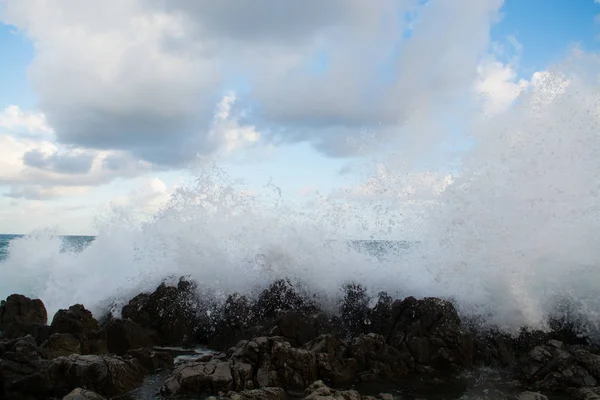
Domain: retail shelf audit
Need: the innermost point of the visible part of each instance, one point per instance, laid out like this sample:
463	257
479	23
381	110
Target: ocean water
69	243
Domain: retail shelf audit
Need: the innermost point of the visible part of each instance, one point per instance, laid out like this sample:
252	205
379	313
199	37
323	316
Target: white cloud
497	85
15	120
227	129
142	75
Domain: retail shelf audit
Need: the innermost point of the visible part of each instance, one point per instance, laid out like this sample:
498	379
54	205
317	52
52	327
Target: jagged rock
585	393
281	297
82	394
16	330
333	360
381	319
530	396
355	310
431	330
557	366
21	368
125	335
199	378
301	328
173	312
60	344
269	393
319	391
152	360
106	375
376	359
21	316
18	308
80	323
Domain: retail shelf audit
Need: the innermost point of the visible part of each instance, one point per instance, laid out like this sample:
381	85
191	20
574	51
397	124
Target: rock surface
82	394
105	375
18	308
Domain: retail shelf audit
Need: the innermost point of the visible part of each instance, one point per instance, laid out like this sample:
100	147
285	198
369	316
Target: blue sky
306	98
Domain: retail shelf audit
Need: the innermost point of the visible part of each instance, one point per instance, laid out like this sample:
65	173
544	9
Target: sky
117	103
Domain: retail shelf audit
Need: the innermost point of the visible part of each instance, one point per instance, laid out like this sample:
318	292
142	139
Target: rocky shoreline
282	345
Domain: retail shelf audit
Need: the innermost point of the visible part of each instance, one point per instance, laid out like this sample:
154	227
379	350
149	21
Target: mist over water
513	237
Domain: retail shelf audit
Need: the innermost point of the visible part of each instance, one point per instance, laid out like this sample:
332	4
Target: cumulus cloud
498	86
143	76
24	123
71	162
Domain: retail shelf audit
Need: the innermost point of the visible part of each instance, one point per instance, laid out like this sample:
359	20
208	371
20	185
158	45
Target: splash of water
510	237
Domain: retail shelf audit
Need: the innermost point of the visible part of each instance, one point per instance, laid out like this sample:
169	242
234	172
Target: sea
70	243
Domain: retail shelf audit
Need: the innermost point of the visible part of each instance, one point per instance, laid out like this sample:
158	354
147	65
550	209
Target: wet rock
103	374
377	360
170	311
199	378
281	297
21	316
82	394
301	328
355	310
334	363
80	323
152	360
41	333
60	344
382	320
18	308
125	335
294	368
319	391
585	393
269	393
22	369
431	330
530	396
557	366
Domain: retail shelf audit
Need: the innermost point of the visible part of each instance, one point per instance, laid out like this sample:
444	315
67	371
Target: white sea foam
515	233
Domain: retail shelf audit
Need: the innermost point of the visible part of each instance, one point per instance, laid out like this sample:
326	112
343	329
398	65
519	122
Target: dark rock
152	360
125	335
377	360
557	366
60	344
199	378
41	333
268	393
530	396
22	369
334	362
585	393
431	330
382	320
82	394
281	297
319	391
18	308
173	312
355	310
301	328
105	375
80	323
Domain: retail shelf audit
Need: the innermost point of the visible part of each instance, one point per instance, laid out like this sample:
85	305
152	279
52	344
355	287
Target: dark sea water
377	248
69	243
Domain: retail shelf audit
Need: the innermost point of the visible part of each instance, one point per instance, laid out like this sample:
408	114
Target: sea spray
510	238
